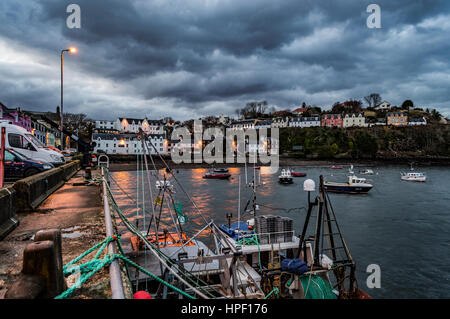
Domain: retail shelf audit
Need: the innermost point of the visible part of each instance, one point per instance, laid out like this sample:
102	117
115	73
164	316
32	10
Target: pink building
332	120
16	116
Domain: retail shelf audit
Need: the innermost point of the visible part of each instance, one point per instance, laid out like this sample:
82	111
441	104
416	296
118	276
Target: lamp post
71	50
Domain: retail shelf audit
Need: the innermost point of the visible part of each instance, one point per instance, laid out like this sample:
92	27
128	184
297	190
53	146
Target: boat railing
274	237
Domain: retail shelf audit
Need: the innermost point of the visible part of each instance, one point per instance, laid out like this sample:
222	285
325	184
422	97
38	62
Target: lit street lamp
71	50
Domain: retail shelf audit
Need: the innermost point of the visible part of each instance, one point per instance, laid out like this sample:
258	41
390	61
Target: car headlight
56	158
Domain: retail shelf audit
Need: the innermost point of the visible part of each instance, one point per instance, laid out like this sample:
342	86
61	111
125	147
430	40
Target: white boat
355	185
413	177
164	185
285	177
367	172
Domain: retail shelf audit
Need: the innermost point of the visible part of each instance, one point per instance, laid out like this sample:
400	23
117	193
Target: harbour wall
27	194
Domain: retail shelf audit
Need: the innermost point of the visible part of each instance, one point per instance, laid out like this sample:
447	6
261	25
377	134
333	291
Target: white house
263	124
303	121
383	106
354	120
243	125
129	125
127	143
417	121
280	122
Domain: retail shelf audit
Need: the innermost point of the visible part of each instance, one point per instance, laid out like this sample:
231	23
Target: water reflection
401	226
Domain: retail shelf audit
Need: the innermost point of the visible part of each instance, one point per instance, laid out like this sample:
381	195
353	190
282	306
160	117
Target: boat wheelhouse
285	177
413	177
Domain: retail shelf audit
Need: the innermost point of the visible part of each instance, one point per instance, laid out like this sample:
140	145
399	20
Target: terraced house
354	120
304	121
332	120
397	118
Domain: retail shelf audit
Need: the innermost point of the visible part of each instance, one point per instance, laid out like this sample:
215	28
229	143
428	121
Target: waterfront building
130	125
243	124
383	106
263	124
332	120
304	121
16	117
354	120
280	122
123	143
397	118
417	121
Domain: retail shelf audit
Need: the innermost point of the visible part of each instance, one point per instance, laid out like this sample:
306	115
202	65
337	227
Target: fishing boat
367	172
215	175
261	257
285	177
413	176
272	258
354	185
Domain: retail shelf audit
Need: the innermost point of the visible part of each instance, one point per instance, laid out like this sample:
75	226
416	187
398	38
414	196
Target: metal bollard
87	174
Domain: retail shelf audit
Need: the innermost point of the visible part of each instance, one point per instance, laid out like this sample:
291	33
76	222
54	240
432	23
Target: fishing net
315	287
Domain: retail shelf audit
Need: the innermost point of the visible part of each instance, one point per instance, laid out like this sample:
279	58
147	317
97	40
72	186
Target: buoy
142	295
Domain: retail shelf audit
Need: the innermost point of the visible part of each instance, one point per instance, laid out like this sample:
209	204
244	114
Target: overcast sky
191	58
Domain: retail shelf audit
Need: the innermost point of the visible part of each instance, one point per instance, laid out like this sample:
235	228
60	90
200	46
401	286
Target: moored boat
297	174
336	167
354	185
366	172
285	177
215	175
221	170
413	177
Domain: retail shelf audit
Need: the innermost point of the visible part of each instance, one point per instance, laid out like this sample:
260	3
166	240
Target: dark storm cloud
198	57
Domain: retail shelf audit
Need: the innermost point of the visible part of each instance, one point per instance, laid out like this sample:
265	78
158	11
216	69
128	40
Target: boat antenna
239	202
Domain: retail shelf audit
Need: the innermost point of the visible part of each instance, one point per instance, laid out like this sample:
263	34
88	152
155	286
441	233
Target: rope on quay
91	267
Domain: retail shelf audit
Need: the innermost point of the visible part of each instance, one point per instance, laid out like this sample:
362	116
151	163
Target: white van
27	144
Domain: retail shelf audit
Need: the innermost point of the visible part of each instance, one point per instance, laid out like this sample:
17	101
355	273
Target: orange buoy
142	295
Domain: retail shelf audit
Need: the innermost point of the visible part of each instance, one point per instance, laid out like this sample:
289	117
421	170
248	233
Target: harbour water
403	227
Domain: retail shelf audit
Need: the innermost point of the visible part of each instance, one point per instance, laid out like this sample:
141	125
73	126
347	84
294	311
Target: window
9	157
18	141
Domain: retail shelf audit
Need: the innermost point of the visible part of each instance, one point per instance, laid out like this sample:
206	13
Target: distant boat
295	174
214	175
413	176
285	177
221	170
367	172
337	167
355	185
164	184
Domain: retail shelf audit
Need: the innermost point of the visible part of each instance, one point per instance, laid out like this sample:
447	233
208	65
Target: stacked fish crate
272	229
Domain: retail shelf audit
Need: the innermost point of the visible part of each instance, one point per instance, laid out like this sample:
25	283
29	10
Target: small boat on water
367	172
336	167
413	177
355	185
285	177
215	175
221	170
164	184
296	174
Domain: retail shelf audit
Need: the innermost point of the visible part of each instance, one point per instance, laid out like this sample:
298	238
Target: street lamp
71	50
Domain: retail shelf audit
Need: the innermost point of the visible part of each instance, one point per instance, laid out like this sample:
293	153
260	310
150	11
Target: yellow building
397	118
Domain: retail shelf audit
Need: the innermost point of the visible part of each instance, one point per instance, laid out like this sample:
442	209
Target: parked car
19	166
19	139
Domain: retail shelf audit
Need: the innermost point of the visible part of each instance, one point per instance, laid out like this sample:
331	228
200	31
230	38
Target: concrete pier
77	210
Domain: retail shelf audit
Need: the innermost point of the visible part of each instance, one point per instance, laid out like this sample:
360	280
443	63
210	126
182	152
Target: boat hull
298	174
417	180
285	180
217	176
347	189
